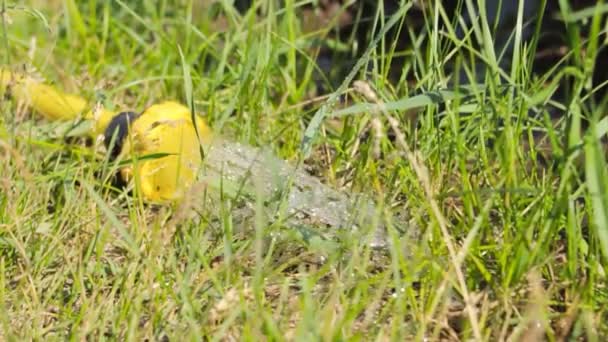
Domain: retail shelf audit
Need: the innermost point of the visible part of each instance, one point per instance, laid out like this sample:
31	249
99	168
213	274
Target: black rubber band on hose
116	132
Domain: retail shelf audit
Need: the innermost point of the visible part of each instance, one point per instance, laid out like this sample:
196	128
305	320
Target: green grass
500	245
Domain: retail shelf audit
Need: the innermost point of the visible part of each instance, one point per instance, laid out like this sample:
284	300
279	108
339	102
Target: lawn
486	169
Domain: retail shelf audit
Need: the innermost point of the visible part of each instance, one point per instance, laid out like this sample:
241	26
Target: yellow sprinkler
162	144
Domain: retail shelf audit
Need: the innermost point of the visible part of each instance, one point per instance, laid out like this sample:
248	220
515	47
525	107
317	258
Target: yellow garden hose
50	102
